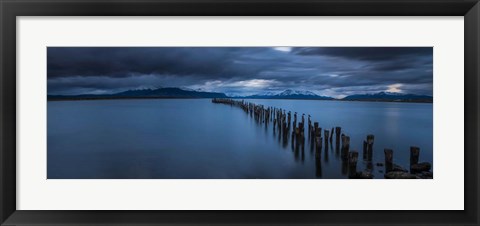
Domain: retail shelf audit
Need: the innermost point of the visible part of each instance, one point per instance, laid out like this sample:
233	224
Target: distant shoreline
133	98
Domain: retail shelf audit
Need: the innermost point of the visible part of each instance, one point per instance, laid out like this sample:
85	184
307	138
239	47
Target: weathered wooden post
279	119
302	129
312	142
293	139
302	142
331	135
352	164
285	132
388	160
370	139
289	118
338	131
265	113
414	156
337	141
318	145
272	113
269	113
365	150
319	132
326	133
309	125
345	146
368	147
325	155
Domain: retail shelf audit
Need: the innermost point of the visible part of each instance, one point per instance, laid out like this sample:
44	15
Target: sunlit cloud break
230	86
283	49
252	83
395	88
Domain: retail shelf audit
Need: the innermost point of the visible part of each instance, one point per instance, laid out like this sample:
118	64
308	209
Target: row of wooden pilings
286	123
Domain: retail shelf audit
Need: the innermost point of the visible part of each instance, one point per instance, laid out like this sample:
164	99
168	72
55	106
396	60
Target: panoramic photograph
240	112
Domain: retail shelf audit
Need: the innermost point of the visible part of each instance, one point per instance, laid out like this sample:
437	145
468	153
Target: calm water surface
194	138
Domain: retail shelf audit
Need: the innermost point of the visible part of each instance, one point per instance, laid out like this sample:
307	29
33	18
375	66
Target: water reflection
318	167
193	138
289	132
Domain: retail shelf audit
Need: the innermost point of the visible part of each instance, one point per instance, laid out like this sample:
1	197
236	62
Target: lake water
194	138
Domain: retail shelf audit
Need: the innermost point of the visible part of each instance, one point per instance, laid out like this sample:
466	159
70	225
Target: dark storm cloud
380	58
335	71
367	53
128	61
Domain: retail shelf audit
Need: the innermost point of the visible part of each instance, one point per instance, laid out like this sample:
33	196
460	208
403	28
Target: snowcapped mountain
388	96
385	93
289	94
268	93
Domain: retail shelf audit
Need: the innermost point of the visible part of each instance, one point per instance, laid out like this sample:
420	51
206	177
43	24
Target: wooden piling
315	129
293	139
318	145
309	125
352	164
302	129
289	118
368	147
338	131
331	135
345	146
414	156
326	133
317	136
370	140
388	160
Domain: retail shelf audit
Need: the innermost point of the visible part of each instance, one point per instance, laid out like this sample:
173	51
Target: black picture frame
10	9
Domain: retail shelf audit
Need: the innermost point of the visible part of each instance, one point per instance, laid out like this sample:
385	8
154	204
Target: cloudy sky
329	71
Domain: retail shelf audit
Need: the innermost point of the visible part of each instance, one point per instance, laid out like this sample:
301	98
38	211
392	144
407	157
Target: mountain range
388	96
287	94
146	93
